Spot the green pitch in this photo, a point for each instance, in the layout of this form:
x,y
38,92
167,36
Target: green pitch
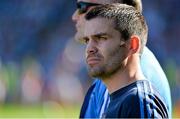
x,y
19,111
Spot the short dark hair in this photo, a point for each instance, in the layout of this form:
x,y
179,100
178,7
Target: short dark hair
x,y
127,20
135,3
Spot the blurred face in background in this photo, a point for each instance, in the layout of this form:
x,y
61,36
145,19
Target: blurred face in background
x,y
83,7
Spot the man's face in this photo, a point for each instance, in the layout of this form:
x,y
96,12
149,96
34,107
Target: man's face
x,y
78,16
105,51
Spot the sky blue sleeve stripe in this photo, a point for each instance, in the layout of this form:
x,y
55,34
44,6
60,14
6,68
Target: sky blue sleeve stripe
x,y
107,102
106,96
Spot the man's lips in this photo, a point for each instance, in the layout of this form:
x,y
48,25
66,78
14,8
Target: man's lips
x,y
93,60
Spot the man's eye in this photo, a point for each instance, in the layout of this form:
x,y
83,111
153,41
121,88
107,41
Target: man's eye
x,y
85,40
103,37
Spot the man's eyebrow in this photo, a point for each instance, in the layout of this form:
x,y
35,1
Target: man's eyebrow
x,y
85,37
100,34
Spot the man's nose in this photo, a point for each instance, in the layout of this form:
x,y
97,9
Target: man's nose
x,y
75,16
91,47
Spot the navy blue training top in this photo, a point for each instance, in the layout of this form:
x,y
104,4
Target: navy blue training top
x,y
97,98
138,100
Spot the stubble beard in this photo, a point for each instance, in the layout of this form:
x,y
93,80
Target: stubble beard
x,y
114,64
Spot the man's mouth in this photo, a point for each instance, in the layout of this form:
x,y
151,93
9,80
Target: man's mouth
x,y
91,61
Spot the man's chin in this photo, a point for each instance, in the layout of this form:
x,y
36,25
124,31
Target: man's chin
x,y
95,73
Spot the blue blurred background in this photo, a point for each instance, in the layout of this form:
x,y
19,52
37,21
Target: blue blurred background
x,y
41,66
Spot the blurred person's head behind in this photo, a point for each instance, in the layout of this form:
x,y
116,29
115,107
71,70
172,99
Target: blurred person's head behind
x,y
83,7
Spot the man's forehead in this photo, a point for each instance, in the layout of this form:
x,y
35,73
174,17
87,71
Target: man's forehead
x,y
97,1
98,25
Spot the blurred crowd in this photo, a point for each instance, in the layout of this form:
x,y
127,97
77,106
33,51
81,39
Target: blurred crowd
x,y
40,61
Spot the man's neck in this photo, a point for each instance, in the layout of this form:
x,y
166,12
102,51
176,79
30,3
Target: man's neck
x,y
123,77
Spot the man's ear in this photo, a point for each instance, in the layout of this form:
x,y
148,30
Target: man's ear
x,y
135,43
